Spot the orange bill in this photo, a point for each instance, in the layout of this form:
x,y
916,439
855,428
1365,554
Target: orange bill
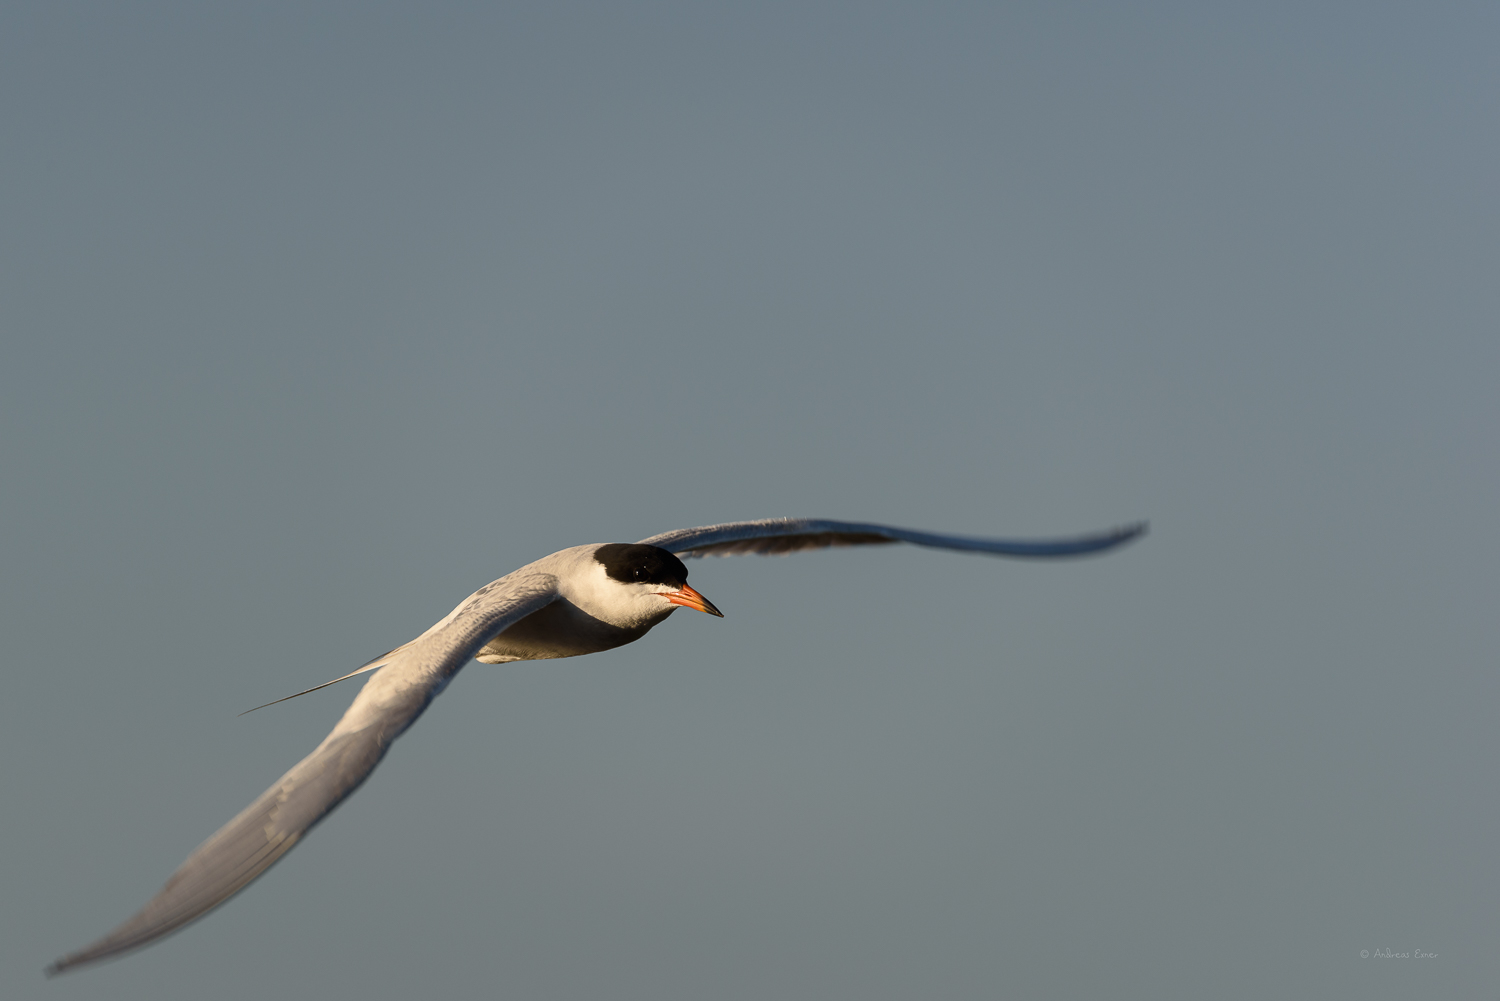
x,y
688,598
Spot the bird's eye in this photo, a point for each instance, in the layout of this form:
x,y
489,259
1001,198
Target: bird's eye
x,y
638,573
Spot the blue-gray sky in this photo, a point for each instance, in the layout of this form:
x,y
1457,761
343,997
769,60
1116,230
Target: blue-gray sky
x,y
316,317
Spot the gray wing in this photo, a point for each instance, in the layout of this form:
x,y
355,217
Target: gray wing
x,y
268,828
775,536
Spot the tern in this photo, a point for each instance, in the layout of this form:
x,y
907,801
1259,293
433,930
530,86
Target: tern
x,y
577,601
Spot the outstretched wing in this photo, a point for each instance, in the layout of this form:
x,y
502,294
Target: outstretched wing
x,y
268,828
776,536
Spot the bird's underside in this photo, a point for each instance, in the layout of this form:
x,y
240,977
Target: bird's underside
x,y
576,601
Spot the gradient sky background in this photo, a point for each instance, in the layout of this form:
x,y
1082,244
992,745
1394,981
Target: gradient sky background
x,y
318,316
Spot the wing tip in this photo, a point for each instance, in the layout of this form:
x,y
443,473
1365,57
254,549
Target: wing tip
x,y
107,948
69,962
1079,546
1116,537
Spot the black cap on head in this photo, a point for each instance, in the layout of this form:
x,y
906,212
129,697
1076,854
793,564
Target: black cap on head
x,y
630,564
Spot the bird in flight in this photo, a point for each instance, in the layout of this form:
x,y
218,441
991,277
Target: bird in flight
x,y
577,601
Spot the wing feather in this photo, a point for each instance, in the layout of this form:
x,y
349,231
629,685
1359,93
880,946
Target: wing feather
x,y
777,536
272,825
